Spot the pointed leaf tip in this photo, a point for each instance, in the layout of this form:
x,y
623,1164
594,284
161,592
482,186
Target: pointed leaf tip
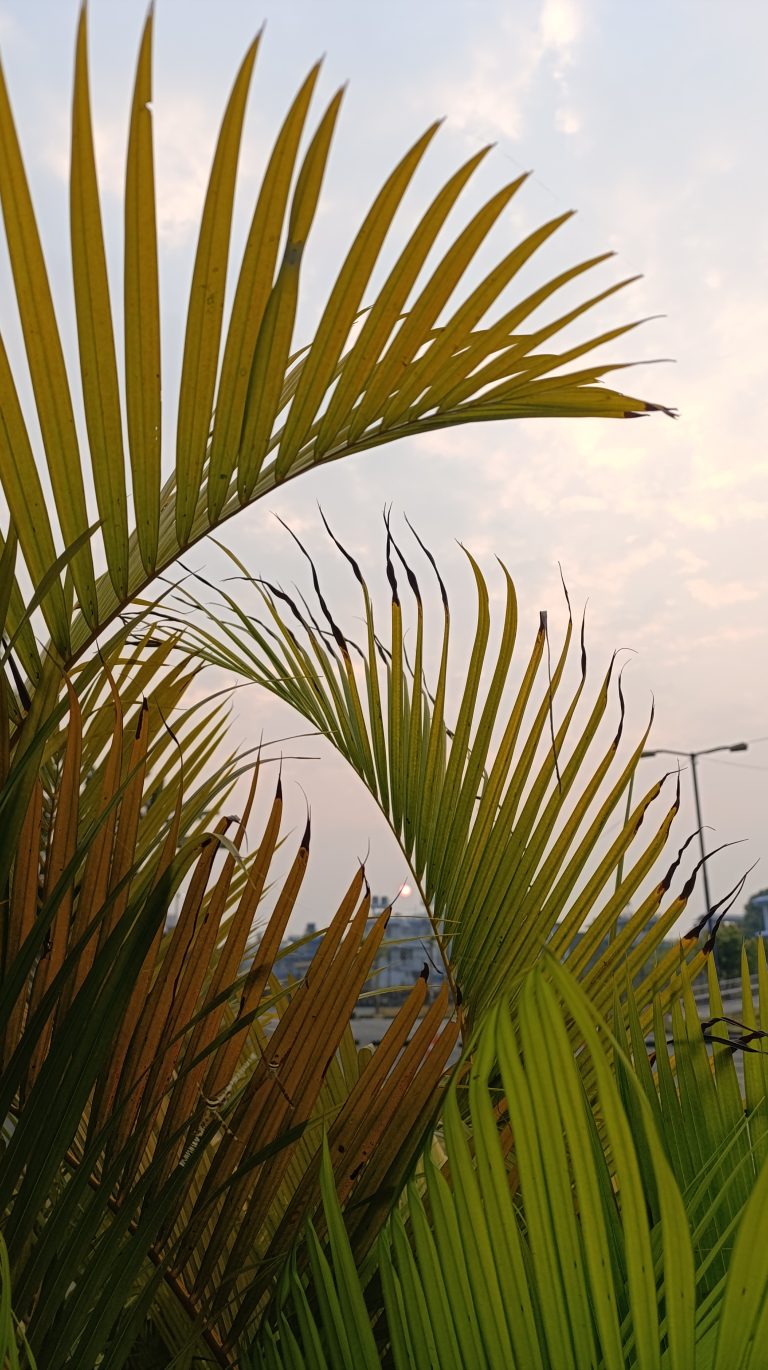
x,y
143,711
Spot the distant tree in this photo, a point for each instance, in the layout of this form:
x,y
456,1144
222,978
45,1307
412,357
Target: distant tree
x,y
750,946
730,939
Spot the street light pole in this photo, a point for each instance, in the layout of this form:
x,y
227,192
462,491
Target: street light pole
x,y
693,758
700,821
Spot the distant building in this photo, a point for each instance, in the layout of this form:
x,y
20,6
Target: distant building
x,y
760,903
409,944
297,953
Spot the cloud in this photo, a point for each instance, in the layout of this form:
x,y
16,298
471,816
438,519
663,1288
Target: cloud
x,y
185,128
491,96
583,503
184,150
722,593
567,121
561,26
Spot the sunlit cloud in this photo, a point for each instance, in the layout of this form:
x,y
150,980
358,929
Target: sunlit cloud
x,y
561,26
722,594
185,129
493,94
568,121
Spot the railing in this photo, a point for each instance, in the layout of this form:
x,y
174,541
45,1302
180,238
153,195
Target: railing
x,y
729,989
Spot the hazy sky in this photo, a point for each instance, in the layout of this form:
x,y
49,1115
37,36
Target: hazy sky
x,y
650,120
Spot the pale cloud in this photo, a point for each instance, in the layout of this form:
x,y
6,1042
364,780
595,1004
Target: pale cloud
x,y
184,133
561,26
635,559
735,632
721,594
567,121
492,97
184,150
483,106
689,563
110,144
582,503
705,519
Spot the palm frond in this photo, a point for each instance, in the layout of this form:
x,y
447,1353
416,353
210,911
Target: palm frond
x,y
165,1093
504,814
582,1244
12,1339
253,409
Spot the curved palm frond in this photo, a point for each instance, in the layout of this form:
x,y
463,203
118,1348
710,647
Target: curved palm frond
x,y
165,1092
578,1240
711,1117
252,411
510,816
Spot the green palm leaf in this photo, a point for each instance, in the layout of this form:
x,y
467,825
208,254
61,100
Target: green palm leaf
x,y
12,1339
252,410
142,318
98,363
579,1245
504,815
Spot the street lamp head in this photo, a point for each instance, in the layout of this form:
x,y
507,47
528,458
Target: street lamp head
x,y
693,756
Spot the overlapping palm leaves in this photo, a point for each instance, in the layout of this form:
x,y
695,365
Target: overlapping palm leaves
x,y
163,1132
576,1235
252,411
164,1118
509,801
14,1348
151,1117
